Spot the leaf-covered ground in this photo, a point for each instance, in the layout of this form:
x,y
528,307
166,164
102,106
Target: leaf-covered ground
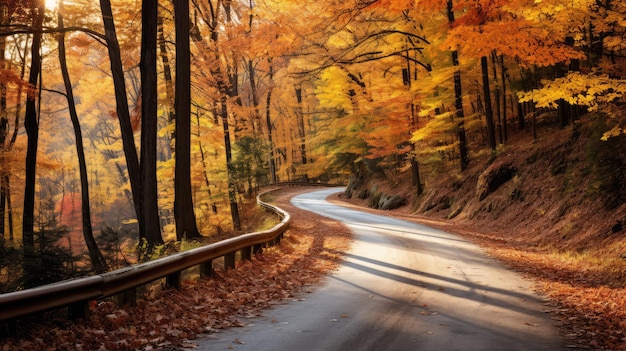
x,y
172,319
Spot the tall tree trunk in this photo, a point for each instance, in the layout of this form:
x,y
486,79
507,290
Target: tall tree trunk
x,y
232,191
256,122
458,99
205,171
496,97
268,121
415,173
149,123
491,133
505,132
4,122
31,124
184,214
98,261
520,116
301,130
9,206
167,75
123,113
9,146
225,91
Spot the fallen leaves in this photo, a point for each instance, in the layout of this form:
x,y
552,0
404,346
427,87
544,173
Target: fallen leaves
x,y
170,319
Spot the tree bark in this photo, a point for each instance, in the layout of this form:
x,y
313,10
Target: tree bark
x,y
520,116
301,130
31,124
149,123
184,214
232,192
4,122
496,97
225,91
458,100
123,113
98,261
505,132
491,133
270,128
167,75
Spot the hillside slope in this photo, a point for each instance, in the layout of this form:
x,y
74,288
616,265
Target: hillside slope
x,y
561,192
553,209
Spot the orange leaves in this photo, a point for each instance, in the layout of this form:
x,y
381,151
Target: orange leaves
x,y
169,318
593,313
394,5
518,39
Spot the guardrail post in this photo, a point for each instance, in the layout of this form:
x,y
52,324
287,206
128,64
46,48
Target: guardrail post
x,y
8,329
174,280
78,310
128,297
206,269
246,253
229,260
258,248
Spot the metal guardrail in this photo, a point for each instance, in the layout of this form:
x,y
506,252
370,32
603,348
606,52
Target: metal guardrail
x,y
76,293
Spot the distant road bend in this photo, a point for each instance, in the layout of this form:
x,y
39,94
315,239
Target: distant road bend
x,y
402,286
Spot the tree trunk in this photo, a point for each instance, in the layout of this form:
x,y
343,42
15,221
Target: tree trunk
x,y
505,132
491,134
123,113
167,75
9,206
496,97
98,261
270,128
149,123
4,121
225,91
184,214
458,99
232,192
301,131
415,174
520,116
31,124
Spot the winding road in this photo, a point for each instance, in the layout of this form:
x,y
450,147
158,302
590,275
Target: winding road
x,y
402,286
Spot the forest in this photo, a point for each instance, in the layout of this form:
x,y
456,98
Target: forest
x,y
127,126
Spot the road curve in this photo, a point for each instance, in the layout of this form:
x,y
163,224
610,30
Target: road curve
x,y
402,286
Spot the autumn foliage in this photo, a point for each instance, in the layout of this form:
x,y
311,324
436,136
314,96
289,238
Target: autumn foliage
x,y
329,91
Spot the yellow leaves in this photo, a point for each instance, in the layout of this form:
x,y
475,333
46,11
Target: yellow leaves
x,y
341,40
615,43
439,124
576,88
616,131
594,91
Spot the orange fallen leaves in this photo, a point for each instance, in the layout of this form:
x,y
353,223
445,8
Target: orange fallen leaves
x,y
169,319
591,312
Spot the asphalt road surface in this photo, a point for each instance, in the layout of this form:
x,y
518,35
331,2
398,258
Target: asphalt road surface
x,y
403,286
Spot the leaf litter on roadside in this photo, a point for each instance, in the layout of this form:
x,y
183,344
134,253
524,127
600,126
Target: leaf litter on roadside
x,y
169,319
